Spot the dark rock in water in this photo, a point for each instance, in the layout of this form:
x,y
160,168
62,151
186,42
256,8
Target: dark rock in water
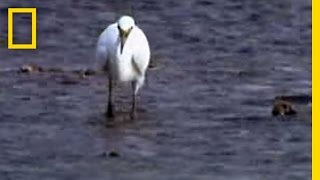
x,y
283,108
112,154
30,68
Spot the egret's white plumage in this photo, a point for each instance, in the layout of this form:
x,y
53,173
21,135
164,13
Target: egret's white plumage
x,y
123,50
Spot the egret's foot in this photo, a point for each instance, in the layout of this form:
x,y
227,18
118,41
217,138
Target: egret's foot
x,y
133,115
110,113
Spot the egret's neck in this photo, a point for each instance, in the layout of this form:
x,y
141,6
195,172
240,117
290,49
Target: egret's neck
x,y
126,53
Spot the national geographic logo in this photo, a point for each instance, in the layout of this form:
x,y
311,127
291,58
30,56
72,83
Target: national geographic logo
x,y
33,12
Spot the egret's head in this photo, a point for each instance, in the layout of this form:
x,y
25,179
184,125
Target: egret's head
x,y
125,26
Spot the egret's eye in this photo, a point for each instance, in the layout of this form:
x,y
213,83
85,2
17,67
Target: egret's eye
x,y
120,31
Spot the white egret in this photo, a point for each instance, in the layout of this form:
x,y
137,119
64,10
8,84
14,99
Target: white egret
x,y
124,50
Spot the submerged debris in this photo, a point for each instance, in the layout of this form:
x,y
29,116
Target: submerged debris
x,y
30,68
64,77
282,108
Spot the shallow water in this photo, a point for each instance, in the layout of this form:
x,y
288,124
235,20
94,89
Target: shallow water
x,y
205,114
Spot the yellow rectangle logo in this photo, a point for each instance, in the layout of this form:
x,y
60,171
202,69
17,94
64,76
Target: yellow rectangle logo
x,y
33,12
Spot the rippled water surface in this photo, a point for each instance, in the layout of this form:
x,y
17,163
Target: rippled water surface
x,y
205,114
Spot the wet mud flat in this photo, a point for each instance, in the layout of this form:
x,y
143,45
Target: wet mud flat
x,y
205,114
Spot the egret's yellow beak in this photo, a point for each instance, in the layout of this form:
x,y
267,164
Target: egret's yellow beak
x,y
123,37
122,42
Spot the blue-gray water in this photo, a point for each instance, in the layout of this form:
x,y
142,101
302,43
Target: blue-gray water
x,y
205,114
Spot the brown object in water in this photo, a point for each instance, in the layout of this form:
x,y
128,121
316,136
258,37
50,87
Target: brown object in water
x,y
282,108
30,68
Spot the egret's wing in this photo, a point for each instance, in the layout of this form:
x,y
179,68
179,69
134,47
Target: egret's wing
x,y
136,66
141,56
105,45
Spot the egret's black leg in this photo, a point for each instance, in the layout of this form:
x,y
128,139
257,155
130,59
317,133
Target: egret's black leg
x,y
110,112
133,110
146,79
